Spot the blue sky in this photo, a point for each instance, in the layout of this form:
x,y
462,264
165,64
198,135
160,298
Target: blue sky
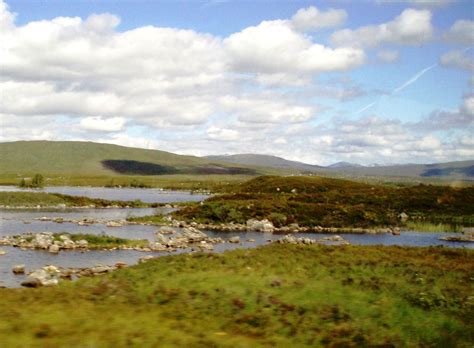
x,y
317,81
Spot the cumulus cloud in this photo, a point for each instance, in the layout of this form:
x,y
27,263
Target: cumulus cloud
x,y
311,19
266,108
386,141
275,47
446,120
223,134
255,90
161,77
411,27
458,59
461,32
113,124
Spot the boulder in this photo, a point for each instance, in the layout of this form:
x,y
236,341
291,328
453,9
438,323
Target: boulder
x,y
18,269
166,230
193,235
99,269
114,224
53,248
160,239
403,217
82,243
43,240
120,264
46,276
235,239
2,252
260,225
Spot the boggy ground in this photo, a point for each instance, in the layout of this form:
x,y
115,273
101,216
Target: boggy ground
x,y
318,201
277,295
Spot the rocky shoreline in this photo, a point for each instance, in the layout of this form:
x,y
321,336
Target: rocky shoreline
x,y
251,225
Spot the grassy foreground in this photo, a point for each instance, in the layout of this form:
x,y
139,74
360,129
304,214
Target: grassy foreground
x,y
277,295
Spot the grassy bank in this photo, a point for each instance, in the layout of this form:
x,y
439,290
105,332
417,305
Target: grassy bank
x,y
104,242
33,199
278,295
214,183
313,201
432,227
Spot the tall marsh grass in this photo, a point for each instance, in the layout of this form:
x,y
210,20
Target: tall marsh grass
x,y
423,226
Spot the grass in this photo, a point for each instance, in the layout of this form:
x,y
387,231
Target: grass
x,y
87,163
150,219
104,242
312,201
277,295
33,199
214,183
424,226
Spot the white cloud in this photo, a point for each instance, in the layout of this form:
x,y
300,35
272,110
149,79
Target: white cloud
x,y
468,105
411,27
388,56
253,91
311,19
158,77
274,47
266,108
458,59
461,32
114,124
222,134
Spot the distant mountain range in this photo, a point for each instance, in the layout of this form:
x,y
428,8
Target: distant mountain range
x,y
23,158
344,165
460,170
265,161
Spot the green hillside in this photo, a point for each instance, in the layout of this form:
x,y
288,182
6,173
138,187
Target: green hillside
x,y
87,158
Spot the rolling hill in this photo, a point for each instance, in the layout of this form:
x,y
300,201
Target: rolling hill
x,y
460,170
88,158
266,161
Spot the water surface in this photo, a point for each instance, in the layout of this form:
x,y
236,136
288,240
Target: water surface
x,y
118,194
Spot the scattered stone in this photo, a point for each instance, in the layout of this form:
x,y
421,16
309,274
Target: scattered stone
x,y
2,252
114,224
18,269
235,239
82,243
260,225
461,238
403,217
145,258
99,269
120,264
53,249
46,276
167,230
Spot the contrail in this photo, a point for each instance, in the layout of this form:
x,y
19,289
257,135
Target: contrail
x,y
407,83
413,79
366,107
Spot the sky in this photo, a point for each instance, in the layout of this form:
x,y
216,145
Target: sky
x,y
369,81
